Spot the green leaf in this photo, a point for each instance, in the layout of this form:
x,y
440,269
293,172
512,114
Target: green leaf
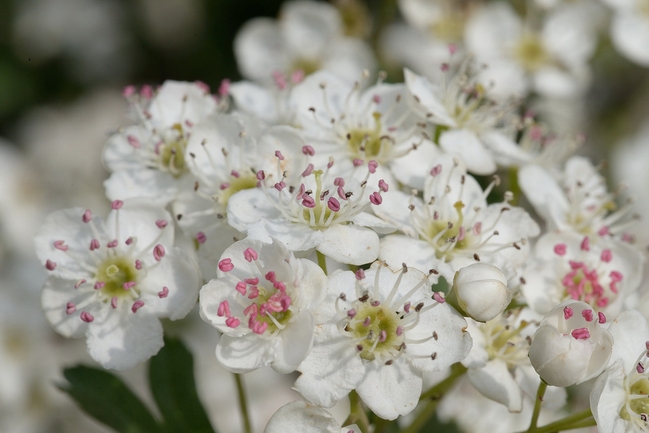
x,y
171,376
105,397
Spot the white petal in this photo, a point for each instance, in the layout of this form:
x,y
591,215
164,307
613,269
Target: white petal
x,y
380,226
427,98
177,102
505,149
630,34
495,382
120,339
544,192
331,370
348,58
350,244
630,332
138,182
391,390
491,30
246,353
54,299
248,207
607,398
179,273
308,27
260,49
296,341
470,149
255,99
298,417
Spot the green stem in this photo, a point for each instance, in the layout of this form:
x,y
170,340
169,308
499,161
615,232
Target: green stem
x,y
514,187
537,404
357,414
570,422
433,396
322,261
247,428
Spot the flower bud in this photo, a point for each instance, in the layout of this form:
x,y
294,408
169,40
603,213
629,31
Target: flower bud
x,y
570,345
479,291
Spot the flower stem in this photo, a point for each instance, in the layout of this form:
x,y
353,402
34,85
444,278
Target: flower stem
x,y
357,414
578,420
514,187
322,261
247,428
537,404
434,395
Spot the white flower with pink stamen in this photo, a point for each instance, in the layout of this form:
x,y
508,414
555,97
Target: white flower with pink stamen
x,y
377,331
453,226
148,159
352,126
224,153
261,301
112,281
578,201
317,210
619,399
568,266
571,346
470,125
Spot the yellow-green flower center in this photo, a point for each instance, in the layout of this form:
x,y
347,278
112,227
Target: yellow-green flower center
x,y
379,332
531,53
308,66
639,405
368,143
114,272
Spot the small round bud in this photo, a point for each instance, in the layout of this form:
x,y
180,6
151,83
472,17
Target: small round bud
x,y
479,291
568,348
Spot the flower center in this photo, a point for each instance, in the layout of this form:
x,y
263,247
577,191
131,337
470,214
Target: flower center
x,y
446,236
506,342
636,384
368,143
172,152
237,183
531,53
307,66
450,28
377,327
116,276
582,283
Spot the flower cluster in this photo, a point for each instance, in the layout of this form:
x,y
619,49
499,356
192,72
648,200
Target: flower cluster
x,y
360,232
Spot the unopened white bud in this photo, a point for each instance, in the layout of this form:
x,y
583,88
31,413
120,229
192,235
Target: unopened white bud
x,y
480,291
571,346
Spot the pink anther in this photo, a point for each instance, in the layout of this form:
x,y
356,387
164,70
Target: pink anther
x,y
87,216
201,238
241,288
129,285
161,224
50,265
86,317
113,302
232,322
360,274
99,285
226,265
588,315
116,204
137,305
436,170
164,292
158,252
308,170
60,245
372,166
567,313
224,309
333,204
250,254
560,249
581,334
375,198
308,150
70,308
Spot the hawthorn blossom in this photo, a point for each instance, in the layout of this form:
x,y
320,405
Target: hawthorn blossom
x,y
551,60
262,302
299,417
479,291
223,154
318,210
307,37
619,398
578,201
376,332
352,126
571,346
567,266
452,226
469,123
148,159
112,281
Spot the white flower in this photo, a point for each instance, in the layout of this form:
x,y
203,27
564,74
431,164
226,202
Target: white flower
x,y
570,345
377,331
498,363
469,123
552,60
480,291
299,417
353,126
113,281
318,210
630,29
453,226
307,37
224,153
261,301
148,159
619,399
577,201
567,266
